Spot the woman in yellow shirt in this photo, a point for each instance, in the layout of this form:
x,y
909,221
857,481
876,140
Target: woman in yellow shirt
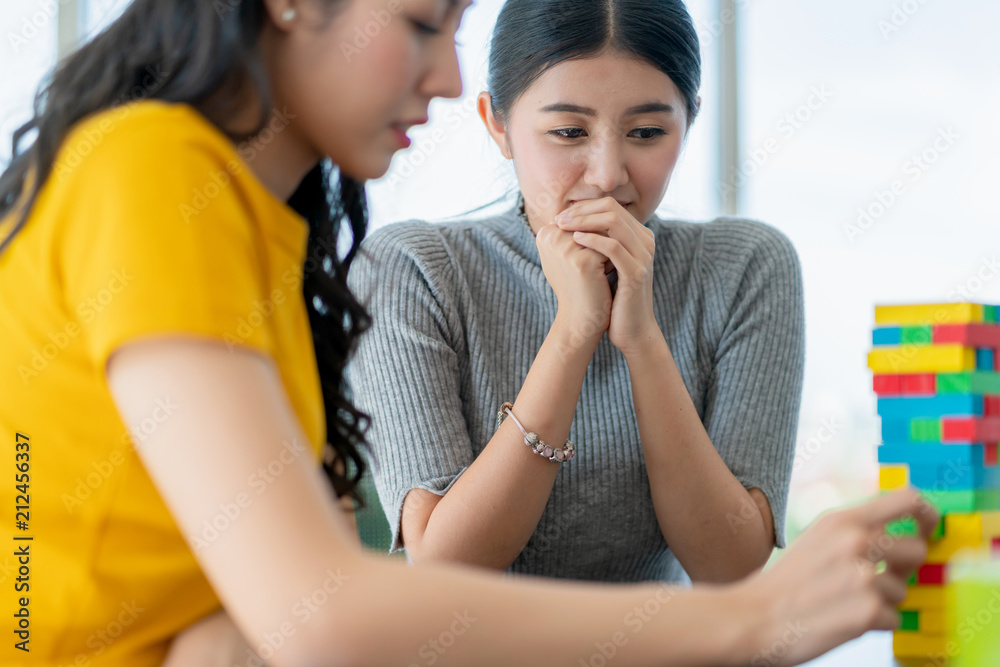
x,y
176,327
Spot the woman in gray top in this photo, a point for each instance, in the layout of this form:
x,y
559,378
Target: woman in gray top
x,y
670,353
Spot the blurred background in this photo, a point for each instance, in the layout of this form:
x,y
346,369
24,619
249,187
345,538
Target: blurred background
x,y
865,130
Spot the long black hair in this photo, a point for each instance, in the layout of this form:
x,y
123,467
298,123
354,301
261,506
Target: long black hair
x,y
531,36
206,54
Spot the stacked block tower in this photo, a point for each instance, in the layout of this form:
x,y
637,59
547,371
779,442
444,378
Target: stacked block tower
x,y
937,377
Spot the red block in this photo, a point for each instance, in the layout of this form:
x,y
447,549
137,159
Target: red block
x,y
924,384
931,574
971,335
887,385
990,457
996,546
991,406
970,429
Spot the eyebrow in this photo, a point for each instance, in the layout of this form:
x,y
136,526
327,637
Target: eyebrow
x,y
651,107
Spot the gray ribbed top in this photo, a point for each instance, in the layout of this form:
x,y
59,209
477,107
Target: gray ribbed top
x,y
460,311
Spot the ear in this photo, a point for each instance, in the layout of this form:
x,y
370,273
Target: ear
x,y
496,128
282,13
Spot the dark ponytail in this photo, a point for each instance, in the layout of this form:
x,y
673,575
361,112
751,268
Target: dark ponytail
x,y
206,54
531,36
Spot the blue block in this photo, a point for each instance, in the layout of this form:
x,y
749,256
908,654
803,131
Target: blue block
x,y
954,477
887,336
897,432
984,359
908,407
932,453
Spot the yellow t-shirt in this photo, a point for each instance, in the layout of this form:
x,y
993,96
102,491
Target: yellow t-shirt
x,y
151,223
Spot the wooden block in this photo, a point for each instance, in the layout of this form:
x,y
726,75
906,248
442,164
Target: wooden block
x,y
909,407
968,383
917,644
918,384
984,359
971,335
931,574
887,385
892,477
909,620
970,429
929,359
887,336
935,313
991,455
991,406
932,622
924,597
963,501
939,454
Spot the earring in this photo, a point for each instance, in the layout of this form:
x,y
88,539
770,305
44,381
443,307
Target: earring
x,y
288,15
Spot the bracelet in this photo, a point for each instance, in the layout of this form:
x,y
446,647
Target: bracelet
x,y
565,454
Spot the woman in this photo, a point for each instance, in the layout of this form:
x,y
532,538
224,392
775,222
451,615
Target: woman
x,y
182,325
703,358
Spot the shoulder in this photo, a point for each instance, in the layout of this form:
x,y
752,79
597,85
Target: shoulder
x,y
730,244
135,139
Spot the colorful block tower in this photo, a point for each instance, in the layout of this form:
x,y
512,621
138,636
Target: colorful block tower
x,y
937,376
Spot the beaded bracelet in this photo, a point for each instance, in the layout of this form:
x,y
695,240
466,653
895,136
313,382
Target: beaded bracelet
x,y
565,454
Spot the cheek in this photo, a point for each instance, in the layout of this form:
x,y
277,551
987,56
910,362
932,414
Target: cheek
x,y
547,173
650,172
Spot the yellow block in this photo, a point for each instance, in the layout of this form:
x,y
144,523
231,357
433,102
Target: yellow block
x,y
923,359
917,644
939,313
932,622
922,598
893,477
941,551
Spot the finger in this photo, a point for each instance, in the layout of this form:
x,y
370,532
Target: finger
x,y
610,248
897,505
586,206
905,555
613,225
891,587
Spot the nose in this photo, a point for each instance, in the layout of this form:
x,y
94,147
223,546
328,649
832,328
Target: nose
x,y
444,77
606,166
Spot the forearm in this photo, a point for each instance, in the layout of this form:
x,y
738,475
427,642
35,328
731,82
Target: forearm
x,y
488,515
400,615
695,495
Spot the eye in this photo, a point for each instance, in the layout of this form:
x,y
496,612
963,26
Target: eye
x,y
647,133
569,132
424,28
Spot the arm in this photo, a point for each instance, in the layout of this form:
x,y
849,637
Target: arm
x,y
293,541
491,511
695,494
482,511
693,490
232,419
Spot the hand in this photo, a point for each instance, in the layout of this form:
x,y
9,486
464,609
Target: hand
x,y
602,225
577,276
826,591
212,642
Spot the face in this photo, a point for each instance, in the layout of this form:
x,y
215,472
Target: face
x,y
607,126
357,78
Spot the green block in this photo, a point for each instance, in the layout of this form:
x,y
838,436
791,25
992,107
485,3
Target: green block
x,y
989,314
909,620
938,530
925,429
918,335
905,527
980,382
912,581
964,501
